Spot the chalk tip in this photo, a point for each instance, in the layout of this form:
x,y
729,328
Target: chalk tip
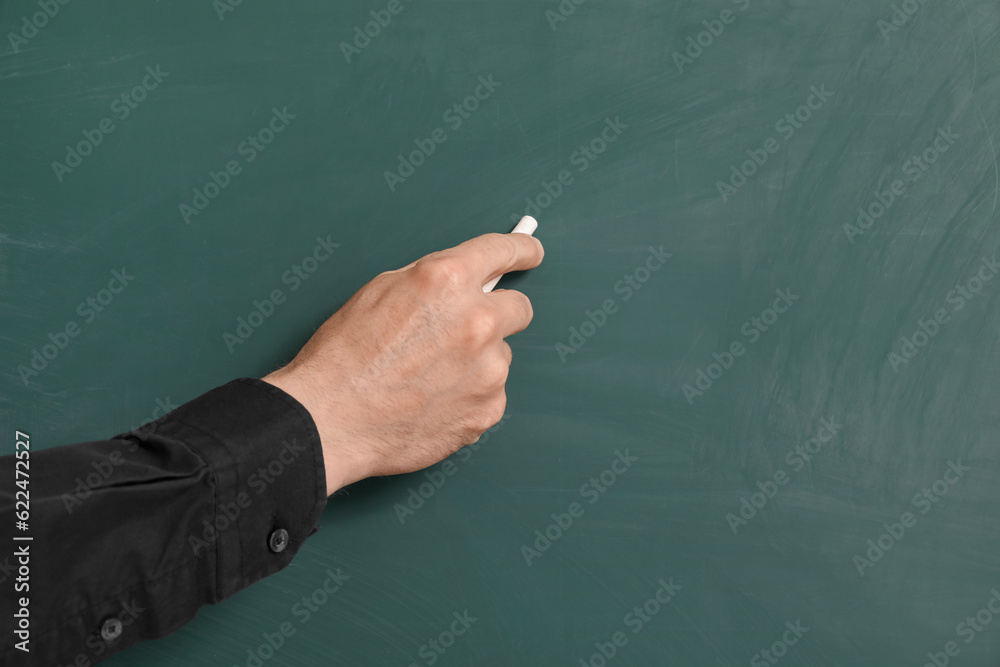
x,y
527,225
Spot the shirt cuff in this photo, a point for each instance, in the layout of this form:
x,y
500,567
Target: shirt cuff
x,y
264,450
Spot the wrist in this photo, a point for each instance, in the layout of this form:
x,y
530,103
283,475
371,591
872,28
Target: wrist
x,y
340,469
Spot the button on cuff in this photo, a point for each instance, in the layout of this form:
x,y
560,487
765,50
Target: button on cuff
x,y
278,540
111,630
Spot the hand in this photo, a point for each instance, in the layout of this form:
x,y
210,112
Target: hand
x,y
413,367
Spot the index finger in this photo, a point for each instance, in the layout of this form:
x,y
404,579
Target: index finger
x,y
491,255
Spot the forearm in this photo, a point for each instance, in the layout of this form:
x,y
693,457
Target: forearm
x,y
151,525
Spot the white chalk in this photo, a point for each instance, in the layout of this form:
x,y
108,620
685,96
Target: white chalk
x,y
527,225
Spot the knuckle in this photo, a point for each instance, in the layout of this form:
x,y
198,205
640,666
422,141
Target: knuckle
x,y
497,375
508,354
440,274
485,417
481,326
379,283
470,431
496,410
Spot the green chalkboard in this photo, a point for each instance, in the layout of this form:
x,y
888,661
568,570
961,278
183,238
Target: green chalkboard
x,y
754,420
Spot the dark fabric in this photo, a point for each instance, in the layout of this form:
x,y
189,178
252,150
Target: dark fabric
x,y
152,524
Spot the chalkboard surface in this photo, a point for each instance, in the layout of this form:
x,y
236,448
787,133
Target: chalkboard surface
x,y
755,418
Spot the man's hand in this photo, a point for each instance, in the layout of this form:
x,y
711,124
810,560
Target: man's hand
x,y
413,367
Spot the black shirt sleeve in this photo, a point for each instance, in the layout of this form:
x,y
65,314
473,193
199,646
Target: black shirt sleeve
x,y
132,535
